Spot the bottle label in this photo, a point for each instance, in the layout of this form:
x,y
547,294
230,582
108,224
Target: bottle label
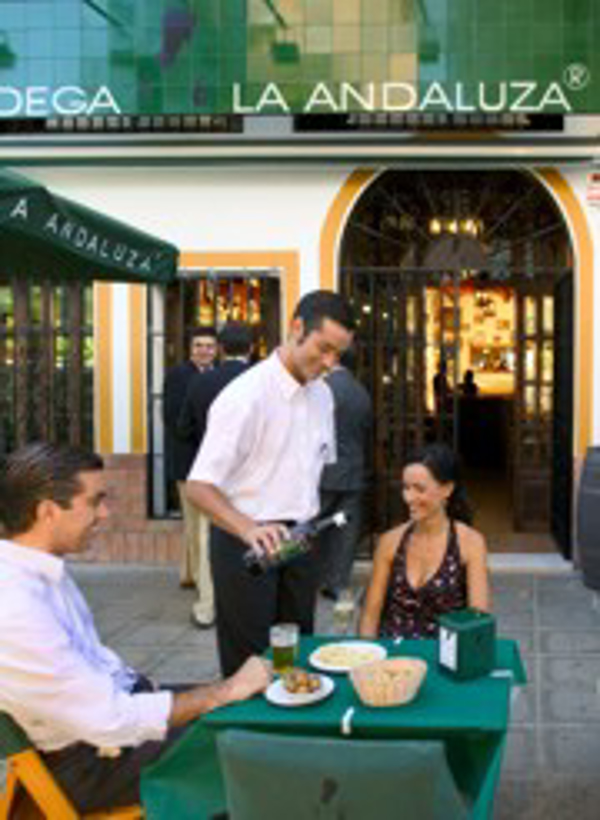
x,y
289,549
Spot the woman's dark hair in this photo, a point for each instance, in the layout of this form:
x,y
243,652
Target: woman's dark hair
x,y
442,462
40,472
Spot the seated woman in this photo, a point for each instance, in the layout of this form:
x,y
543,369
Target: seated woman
x,y
433,564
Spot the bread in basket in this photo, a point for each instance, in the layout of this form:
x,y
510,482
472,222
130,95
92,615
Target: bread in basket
x,y
390,682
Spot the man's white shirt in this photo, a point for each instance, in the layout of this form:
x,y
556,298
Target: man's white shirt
x,y
58,680
267,440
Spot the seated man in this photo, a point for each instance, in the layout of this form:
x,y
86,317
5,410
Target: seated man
x,y
72,695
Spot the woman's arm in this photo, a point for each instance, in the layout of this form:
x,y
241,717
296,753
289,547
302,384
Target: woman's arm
x,y
474,554
378,584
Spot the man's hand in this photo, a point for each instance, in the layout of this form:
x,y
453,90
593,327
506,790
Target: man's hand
x,y
266,538
262,538
252,677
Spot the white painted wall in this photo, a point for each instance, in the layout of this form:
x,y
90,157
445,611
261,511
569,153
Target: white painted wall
x,y
212,209
121,371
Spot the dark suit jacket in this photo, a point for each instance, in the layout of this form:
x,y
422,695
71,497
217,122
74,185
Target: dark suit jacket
x,y
353,420
174,392
202,390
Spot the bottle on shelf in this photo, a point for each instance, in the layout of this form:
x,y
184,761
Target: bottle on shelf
x,y
299,542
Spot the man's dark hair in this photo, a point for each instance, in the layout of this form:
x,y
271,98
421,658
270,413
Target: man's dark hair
x,y
318,305
40,472
209,330
236,339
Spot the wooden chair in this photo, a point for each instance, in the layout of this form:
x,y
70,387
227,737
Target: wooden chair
x,y
27,771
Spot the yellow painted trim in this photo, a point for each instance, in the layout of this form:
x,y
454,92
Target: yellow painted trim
x,y
287,262
103,372
584,302
331,231
137,360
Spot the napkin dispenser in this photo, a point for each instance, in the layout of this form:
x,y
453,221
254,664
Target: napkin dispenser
x,y
467,646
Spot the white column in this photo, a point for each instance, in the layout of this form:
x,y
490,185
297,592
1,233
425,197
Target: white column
x,y
121,371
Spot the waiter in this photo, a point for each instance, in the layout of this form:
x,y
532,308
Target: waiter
x,y
269,434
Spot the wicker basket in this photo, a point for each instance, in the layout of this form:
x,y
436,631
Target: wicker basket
x,y
391,682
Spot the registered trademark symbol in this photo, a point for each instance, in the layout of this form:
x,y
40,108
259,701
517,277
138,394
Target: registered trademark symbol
x,y
576,76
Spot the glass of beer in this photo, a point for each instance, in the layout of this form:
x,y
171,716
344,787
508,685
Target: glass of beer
x,y
284,639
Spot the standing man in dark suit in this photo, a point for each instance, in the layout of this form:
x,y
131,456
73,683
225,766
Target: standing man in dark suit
x,y
179,452
235,347
343,482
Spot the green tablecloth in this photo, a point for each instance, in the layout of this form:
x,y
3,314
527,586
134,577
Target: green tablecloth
x,y
470,716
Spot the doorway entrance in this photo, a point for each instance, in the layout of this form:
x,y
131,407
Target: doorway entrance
x,y
201,298
463,286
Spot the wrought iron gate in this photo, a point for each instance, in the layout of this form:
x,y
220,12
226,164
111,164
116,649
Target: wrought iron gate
x,y
395,344
46,363
392,346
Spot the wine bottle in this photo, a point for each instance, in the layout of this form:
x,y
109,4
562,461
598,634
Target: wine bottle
x,y
299,542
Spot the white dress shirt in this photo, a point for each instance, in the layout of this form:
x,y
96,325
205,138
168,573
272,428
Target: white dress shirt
x,y
57,679
267,440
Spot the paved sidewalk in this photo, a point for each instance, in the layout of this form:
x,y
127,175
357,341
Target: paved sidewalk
x,y
552,761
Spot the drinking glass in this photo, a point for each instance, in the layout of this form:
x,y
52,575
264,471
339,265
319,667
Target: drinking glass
x,y
344,611
284,639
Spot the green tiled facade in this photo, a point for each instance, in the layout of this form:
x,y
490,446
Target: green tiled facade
x,y
184,56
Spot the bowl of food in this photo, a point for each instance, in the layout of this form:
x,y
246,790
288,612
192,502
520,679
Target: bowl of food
x,y
390,682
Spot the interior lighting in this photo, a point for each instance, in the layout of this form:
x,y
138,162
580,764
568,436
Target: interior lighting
x,y
468,226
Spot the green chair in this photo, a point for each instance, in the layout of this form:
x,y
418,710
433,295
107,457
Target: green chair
x,y
304,778
28,773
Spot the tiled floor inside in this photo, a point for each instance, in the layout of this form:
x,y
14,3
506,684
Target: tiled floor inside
x,y
490,493
552,760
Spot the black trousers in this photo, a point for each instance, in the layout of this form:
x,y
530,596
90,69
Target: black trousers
x,y
93,783
246,605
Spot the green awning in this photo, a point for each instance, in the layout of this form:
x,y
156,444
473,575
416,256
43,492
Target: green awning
x,y
45,236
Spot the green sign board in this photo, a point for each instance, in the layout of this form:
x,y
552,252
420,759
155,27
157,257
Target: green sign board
x,y
104,57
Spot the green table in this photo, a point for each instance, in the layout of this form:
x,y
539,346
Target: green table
x,y
470,716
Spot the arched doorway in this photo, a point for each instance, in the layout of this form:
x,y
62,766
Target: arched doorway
x,y
468,271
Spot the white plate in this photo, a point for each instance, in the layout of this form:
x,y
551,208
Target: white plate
x,y
277,693
376,653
